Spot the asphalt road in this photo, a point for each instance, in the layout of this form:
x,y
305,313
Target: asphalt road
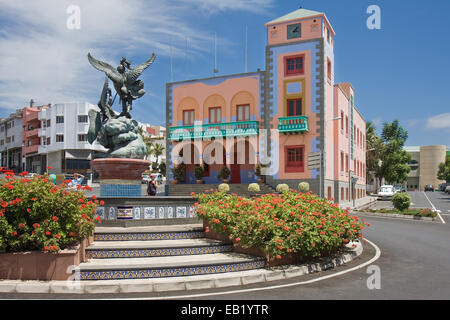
x,y
419,199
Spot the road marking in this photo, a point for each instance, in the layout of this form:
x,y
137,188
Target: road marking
x,y
434,208
375,258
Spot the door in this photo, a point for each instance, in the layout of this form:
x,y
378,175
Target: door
x,y
235,168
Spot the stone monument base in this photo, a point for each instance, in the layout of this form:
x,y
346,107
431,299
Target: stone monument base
x,y
120,177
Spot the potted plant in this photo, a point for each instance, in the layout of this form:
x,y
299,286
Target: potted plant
x,y
179,173
224,173
199,174
43,224
254,189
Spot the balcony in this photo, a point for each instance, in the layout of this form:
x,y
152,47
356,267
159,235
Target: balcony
x,y
224,130
31,133
293,124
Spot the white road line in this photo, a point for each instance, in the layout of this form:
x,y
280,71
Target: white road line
x,y
434,208
375,258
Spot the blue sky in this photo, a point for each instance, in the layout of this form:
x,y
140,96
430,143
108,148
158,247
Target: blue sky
x,y
401,71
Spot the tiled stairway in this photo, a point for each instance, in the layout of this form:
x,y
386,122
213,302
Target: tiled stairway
x,y
160,251
240,189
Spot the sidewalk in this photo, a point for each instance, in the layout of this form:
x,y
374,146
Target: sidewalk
x,y
359,203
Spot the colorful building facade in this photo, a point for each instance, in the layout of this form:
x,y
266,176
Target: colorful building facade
x,y
287,118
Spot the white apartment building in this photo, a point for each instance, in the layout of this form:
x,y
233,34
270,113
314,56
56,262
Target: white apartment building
x,y
63,134
11,141
157,135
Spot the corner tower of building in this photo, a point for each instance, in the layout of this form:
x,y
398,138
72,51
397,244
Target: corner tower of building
x,y
299,97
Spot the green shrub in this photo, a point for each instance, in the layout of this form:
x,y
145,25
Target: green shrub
x,y
224,173
224,187
35,214
199,172
179,172
254,187
282,187
401,201
303,187
280,224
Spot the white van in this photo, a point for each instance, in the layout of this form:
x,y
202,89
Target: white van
x,y
386,192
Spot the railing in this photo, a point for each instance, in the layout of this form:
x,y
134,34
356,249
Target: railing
x,y
293,124
224,130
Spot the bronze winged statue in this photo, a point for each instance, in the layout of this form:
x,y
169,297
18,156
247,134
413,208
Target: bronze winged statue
x,y
118,132
126,82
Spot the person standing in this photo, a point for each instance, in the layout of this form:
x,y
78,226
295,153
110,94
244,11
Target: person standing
x,y
152,186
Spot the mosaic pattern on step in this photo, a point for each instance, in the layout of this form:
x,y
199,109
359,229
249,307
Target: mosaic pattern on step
x,y
171,272
148,236
163,252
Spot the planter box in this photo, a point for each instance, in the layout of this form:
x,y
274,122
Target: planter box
x,y
45,266
291,258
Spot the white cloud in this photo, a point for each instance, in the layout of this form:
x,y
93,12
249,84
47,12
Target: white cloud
x,y
214,6
41,58
440,121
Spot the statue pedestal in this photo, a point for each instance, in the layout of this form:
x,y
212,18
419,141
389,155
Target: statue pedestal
x,y
120,177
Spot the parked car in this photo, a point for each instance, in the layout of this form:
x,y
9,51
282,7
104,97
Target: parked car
x,y
159,177
399,188
145,178
386,192
447,190
429,187
443,186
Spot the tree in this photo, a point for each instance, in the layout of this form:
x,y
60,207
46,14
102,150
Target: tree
x,y
394,166
444,170
375,152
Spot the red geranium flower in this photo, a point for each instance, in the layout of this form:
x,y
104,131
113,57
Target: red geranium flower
x,y
55,218
49,168
48,233
102,202
14,233
58,236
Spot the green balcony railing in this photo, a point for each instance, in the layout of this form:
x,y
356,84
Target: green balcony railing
x,y
224,130
293,124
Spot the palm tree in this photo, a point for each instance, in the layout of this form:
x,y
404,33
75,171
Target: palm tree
x,y
158,150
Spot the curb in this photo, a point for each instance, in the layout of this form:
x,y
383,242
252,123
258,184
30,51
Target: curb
x,y
396,216
211,281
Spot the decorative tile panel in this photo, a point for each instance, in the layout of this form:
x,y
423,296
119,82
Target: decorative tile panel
x,y
162,252
170,272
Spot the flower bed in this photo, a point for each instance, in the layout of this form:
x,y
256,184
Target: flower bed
x,y
408,212
291,226
38,216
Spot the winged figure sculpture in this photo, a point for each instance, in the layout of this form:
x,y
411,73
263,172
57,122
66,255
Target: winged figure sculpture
x,y
125,79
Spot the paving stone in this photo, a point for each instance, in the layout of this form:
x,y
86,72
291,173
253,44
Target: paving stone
x,y
227,282
67,288
295,272
169,286
8,287
275,275
200,284
113,287
253,279
33,287
136,286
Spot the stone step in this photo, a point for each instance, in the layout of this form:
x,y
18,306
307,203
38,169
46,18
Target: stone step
x,y
168,266
145,233
155,248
